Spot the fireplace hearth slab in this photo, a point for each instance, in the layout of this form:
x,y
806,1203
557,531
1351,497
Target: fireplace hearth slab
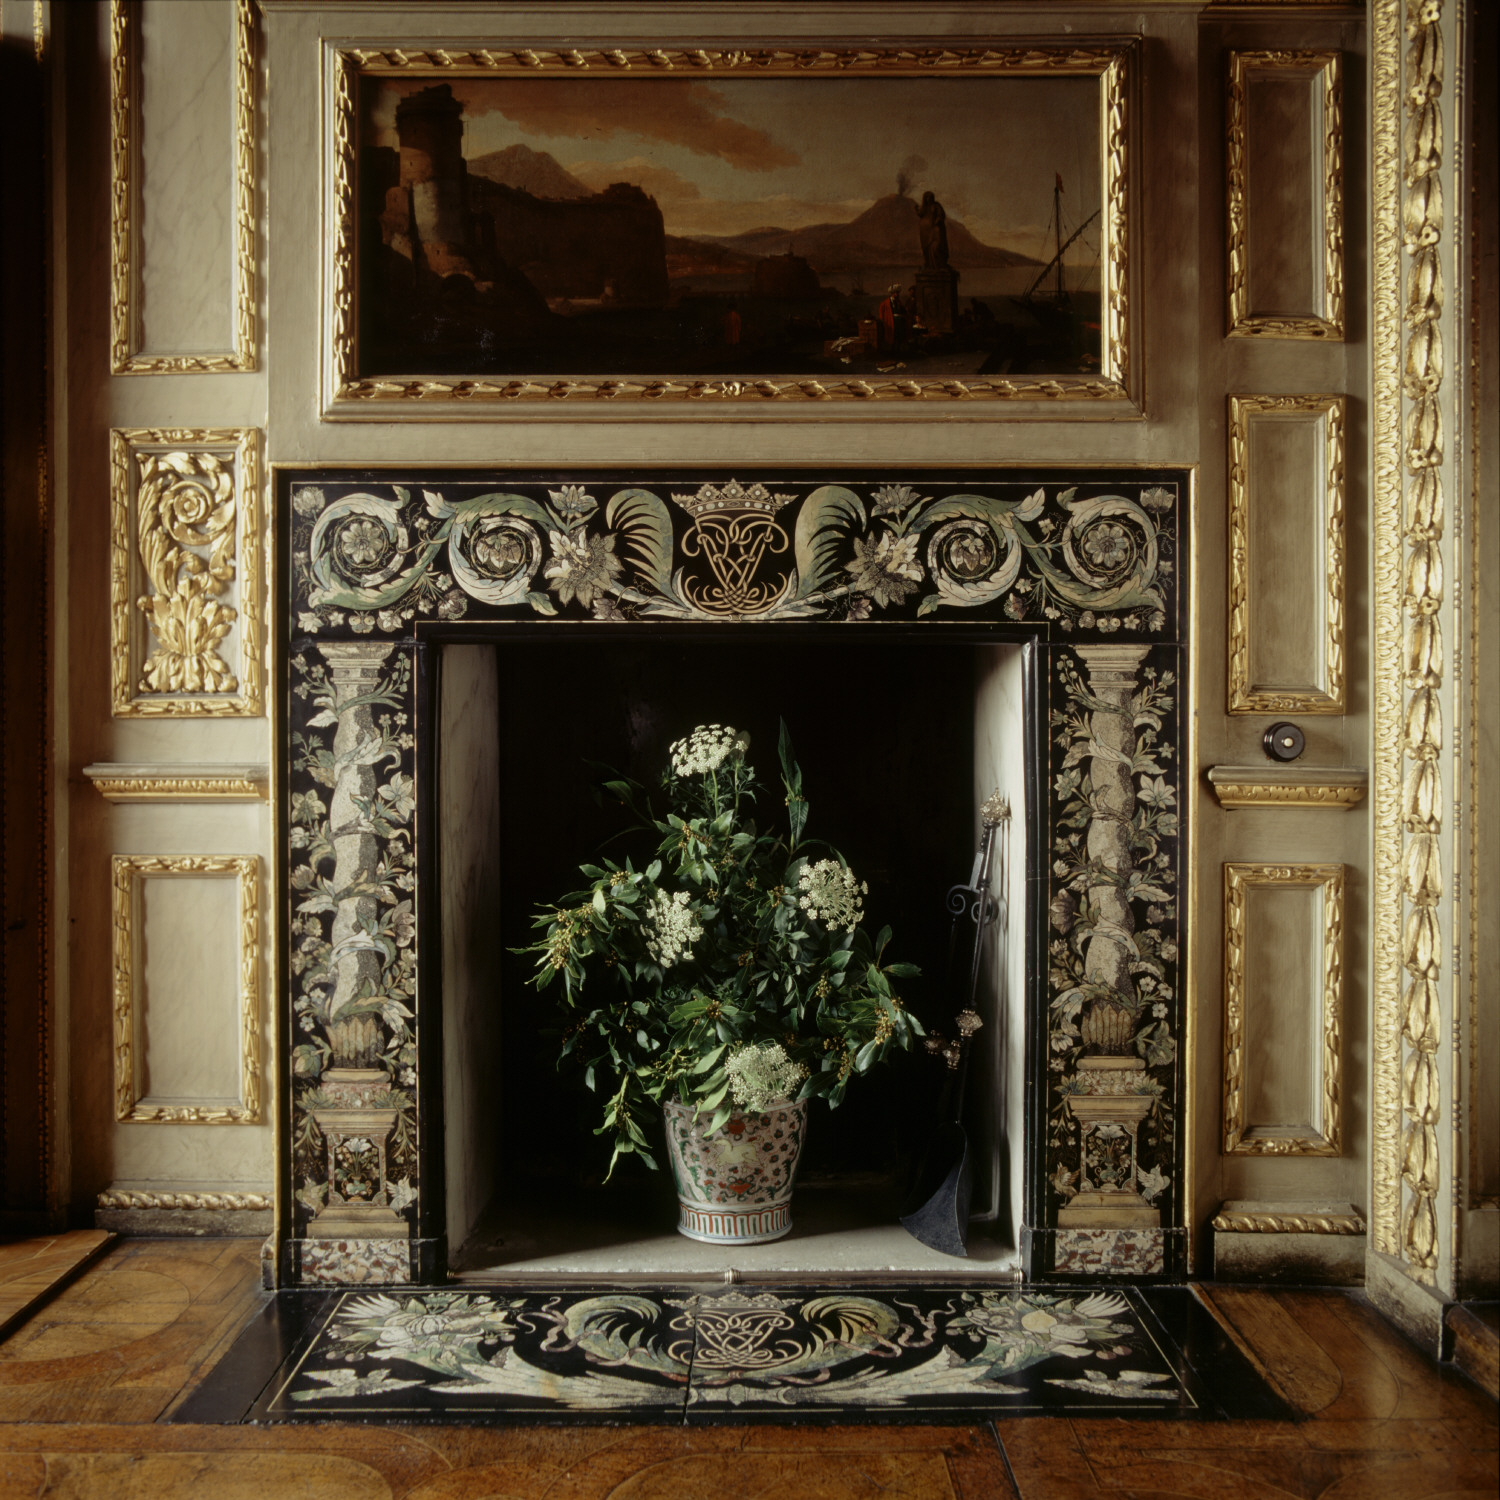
x,y
733,1354
835,1234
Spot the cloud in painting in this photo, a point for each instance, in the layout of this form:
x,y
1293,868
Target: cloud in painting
x,y
688,211
677,112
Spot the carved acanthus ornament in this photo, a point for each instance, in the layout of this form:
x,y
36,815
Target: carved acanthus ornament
x,y
184,509
186,532
1288,786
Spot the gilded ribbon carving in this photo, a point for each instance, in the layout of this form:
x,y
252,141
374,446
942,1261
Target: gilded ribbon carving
x,y
186,1202
1238,1222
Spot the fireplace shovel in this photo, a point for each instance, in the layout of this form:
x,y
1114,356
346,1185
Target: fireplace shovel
x,y
938,1212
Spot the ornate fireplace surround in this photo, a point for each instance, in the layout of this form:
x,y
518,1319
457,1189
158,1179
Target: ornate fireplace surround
x,y
381,567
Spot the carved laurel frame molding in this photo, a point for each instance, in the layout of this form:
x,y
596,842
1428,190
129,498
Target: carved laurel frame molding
x,y
126,355
187,532
1245,696
129,871
349,394
1328,321
1241,1138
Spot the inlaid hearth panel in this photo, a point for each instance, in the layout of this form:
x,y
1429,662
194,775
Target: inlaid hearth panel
x,y
753,1354
1084,566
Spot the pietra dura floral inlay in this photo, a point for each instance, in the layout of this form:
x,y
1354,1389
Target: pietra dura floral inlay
x,y
738,1354
380,568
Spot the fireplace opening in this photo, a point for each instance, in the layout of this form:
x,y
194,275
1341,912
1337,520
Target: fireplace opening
x,y
900,742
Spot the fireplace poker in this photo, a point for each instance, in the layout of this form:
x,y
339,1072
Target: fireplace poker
x,y
944,1185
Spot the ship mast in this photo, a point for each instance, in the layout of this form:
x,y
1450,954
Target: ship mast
x,y
1057,224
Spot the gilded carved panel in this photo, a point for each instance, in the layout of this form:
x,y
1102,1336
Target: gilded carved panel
x,y
187,540
1299,515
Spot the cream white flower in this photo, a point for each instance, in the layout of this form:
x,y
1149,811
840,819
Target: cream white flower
x,y
887,570
829,893
671,929
761,1074
583,566
706,749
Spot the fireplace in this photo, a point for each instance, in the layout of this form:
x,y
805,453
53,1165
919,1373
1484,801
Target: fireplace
x,y
456,645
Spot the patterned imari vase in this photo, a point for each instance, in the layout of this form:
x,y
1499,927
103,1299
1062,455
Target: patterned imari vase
x,y
734,1187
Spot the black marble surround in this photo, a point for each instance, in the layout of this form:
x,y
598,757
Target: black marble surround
x,y
1085,568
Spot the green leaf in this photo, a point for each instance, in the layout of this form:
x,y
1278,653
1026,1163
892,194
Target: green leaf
x,y
644,525
929,604
826,519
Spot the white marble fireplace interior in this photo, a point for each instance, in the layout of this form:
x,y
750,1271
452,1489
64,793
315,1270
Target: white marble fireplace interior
x,y
899,743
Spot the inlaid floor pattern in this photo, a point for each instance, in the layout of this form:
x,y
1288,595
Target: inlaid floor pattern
x,y
87,1377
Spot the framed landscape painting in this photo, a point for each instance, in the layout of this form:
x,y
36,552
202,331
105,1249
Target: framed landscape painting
x,y
773,228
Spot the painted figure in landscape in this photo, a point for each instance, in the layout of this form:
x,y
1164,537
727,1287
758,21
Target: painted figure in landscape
x,y
934,224
667,226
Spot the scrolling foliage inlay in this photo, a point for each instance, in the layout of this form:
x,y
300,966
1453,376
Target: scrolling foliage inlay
x,y
1090,567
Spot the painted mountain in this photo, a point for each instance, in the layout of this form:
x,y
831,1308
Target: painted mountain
x,y
534,172
885,234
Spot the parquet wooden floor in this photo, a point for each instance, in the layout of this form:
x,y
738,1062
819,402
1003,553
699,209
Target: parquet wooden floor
x,y
85,1376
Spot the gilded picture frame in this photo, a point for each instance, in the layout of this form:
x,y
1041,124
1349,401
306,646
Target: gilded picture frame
x,y
461,281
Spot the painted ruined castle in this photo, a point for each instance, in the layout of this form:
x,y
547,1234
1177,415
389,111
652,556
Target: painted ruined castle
x,y
445,229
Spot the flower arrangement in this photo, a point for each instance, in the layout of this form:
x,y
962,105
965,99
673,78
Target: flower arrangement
x,y
732,967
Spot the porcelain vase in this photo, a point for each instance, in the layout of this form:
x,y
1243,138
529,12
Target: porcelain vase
x,y
734,1186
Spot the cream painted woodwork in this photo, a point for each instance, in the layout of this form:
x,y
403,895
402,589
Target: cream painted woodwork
x,y
1180,272
187,73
